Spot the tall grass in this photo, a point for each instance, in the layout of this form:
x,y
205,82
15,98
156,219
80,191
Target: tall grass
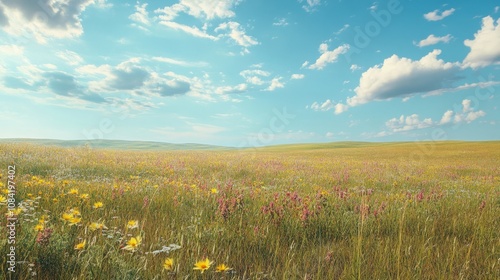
x,y
363,212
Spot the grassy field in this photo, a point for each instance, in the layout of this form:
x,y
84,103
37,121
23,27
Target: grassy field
x,y
319,211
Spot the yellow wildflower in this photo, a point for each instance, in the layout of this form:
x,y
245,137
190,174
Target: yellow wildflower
x,y
95,226
39,227
202,265
133,244
214,190
222,268
73,191
74,221
168,264
98,205
133,224
80,246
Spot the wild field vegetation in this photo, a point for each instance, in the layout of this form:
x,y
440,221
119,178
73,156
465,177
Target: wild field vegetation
x,y
366,211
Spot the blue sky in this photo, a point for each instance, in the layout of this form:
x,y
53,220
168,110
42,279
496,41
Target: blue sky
x,y
250,72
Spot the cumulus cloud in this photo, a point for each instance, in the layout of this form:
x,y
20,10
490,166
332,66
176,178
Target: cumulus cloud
x,y
327,56
254,76
437,15
432,40
241,88
310,5
43,19
484,48
141,14
401,77
236,33
297,76
275,83
466,114
206,11
325,106
408,123
210,9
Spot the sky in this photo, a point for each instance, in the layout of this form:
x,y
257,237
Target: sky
x,y
250,72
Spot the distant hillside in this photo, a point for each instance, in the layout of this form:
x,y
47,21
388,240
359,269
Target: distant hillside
x,y
115,144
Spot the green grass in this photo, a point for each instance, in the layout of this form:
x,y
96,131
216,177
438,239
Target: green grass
x,y
314,211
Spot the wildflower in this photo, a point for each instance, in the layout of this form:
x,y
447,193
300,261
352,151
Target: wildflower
x,y
3,199
133,244
39,227
96,226
73,191
168,264
80,246
75,212
214,190
202,265
132,224
4,191
84,196
67,216
55,200
98,205
74,221
222,268
17,211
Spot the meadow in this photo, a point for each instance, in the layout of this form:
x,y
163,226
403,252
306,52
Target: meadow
x,y
319,211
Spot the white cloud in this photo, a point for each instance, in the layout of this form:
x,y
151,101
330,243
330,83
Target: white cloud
x,y
344,28
401,77
297,76
237,34
497,8
310,5
330,134
253,76
45,19
432,40
275,83
232,89
340,108
71,58
103,4
408,123
447,117
467,114
281,22
140,15
484,48
192,30
325,106
11,50
210,9
327,56
487,84
437,15
355,67
180,62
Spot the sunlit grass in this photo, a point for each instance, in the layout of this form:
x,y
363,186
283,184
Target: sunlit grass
x,y
365,211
